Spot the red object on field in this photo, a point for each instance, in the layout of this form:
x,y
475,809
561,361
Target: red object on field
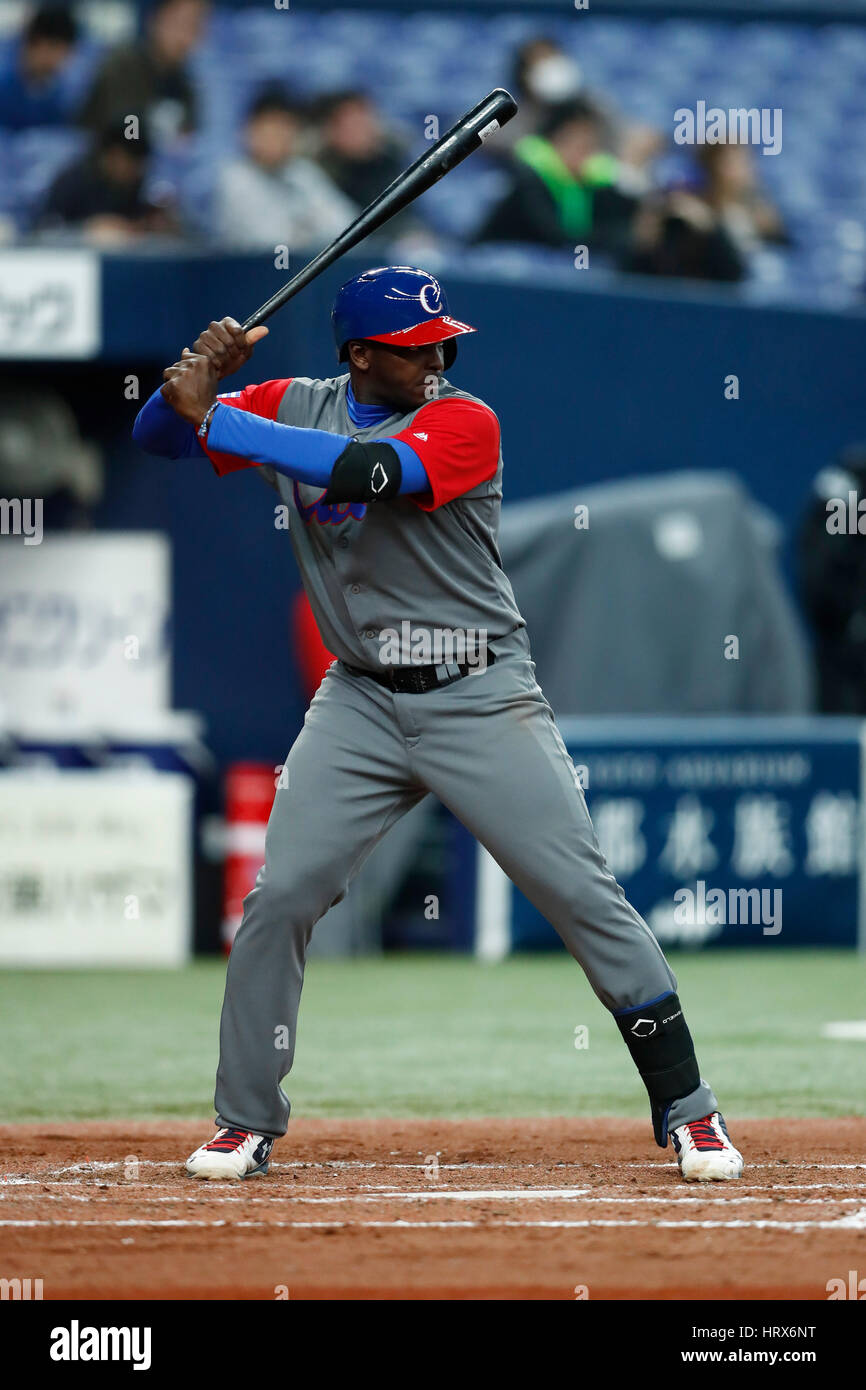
x,y
250,791
250,787
312,655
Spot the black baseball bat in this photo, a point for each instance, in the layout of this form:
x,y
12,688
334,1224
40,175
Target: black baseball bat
x,y
468,135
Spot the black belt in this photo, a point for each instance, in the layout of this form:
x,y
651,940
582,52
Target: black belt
x,y
417,680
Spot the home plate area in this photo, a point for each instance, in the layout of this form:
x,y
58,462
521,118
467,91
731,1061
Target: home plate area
x,y
434,1209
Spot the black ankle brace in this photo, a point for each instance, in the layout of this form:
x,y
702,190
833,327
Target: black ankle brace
x,y
661,1046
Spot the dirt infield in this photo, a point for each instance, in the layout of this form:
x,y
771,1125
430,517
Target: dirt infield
x,y
407,1209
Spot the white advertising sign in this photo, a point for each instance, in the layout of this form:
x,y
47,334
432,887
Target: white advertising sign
x,y
95,868
84,625
50,303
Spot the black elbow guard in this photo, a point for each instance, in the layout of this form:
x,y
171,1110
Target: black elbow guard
x,y
365,473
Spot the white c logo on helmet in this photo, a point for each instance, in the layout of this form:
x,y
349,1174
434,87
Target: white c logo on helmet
x,y
434,290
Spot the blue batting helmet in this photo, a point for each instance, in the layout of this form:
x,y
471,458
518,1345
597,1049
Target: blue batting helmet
x,y
397,304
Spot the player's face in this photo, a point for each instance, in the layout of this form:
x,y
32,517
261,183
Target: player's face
x,y
403,377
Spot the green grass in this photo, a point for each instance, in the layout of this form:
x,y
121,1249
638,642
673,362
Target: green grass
x,y
432,1035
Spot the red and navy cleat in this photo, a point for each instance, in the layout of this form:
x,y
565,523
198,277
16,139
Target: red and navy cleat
x,y
232,1153
705,1152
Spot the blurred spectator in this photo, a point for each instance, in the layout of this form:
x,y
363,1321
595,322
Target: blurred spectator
x,y
356,151
149,78
272,195
832,567
34,90
731,189
678,234
103,193
362,157
713,231
543,75
564,191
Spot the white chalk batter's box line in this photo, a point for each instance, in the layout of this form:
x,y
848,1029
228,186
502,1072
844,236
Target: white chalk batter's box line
x,y
585,1196
856,1221
97,1166
134,1184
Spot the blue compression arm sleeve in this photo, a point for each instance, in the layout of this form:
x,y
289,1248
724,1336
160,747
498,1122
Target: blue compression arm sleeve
x,y
307,455
160,430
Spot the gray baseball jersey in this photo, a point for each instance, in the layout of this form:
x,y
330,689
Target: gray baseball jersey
x,y
369,569
486,745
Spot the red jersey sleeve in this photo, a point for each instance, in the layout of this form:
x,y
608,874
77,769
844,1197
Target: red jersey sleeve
x,y
258,400
458,443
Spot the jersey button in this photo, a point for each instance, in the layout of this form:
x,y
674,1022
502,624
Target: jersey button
x,y
343,542
356,588
370,633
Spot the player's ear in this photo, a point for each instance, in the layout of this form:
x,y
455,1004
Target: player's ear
x,y
359,355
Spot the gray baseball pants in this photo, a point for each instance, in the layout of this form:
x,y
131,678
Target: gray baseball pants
x,y
488,748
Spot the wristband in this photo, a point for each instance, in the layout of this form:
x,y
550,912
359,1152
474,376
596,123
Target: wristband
x,y
205,424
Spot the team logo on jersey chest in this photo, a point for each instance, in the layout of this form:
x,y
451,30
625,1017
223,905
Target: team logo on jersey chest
x,y
326,513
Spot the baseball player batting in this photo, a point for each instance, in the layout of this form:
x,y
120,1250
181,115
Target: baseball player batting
x,y
393,481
